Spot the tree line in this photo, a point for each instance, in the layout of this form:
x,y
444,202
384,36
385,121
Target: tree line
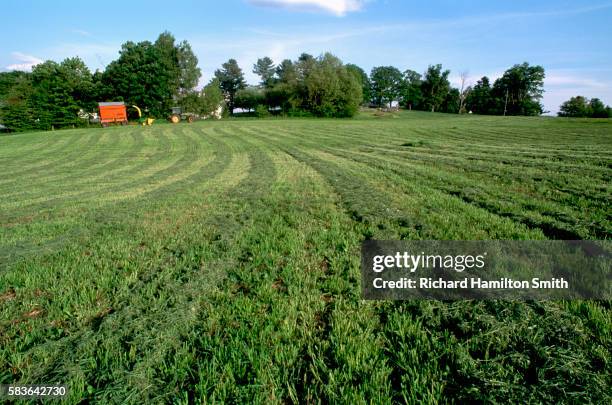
x,y
582,107
159,75
323,86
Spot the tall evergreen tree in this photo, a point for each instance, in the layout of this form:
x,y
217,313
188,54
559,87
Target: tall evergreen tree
x,y
265,69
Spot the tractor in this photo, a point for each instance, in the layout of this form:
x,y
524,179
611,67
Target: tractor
x,y
178,115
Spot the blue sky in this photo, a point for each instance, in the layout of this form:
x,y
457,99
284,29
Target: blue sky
x,y
571,39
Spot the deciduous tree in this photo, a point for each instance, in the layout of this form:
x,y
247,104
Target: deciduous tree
x,y
412,95
386,85
435,87
519,90
364,81
231,79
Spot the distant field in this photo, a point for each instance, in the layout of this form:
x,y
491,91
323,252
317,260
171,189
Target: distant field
x,y
220,260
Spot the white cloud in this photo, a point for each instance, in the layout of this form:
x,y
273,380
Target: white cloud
x,y
24,62
337,7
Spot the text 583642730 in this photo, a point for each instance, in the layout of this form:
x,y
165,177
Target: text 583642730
x,y
32,391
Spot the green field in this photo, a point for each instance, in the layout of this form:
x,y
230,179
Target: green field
x,y
219,261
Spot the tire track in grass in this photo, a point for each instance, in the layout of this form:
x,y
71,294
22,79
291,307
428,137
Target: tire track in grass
x,y
258,280
361,202
471,143
343,324
346,326
229,316
485,164
209,173
178,321
192,182
189,164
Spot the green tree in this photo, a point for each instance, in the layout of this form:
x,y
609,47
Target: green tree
x,y
168,72
211,98
79,80
285,93
331,91
582,107
189,72
350,96
281,95
304,65
8,80
435,87
411,90
363,80
265,69
132,77
519,90
151,75
597,109
320,86
479,98
16,103
59,92
249,98
231,79
452,102
286,72
575,107
387,82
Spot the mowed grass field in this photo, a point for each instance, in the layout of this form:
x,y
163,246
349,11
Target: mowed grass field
x,y
219,261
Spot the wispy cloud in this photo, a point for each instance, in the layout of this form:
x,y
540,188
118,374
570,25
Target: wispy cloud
x,y
336,7
568,80
23,61
81,32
